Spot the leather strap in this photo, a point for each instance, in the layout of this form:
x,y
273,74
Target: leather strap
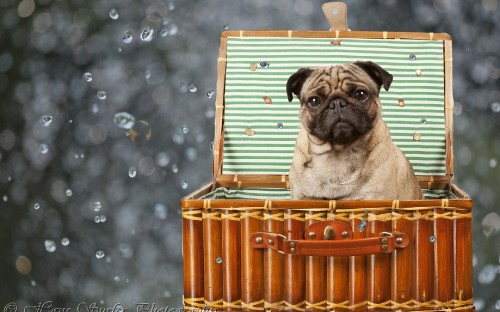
x,y
384,243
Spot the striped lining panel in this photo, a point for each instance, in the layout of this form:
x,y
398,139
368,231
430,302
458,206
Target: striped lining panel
x,y
270,149
284,194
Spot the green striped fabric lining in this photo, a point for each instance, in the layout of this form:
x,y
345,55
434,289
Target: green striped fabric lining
x,y
270,149
284,194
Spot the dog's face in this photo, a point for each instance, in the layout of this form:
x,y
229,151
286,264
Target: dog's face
x,y
339,104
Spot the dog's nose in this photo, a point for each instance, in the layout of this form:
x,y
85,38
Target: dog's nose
x,y
337,103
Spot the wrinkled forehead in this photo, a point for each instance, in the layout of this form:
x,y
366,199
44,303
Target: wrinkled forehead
x,y
344,77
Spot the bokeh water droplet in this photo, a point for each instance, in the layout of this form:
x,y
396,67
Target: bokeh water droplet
x,y
264,64
423,121
171,6
5,198
162,159
116,279
87,76
103,218
497,305
184,184
412,57
192,88
279,125
97,219
491,224
184,129
100,254
225,27
175,168
218,260
493,163
36,206
69,192
46,120
127,36
140,132
210,93
191,154
487,274
132,172
65,241
101,95
362,225
495,107
212,145
33,283
169,29
113,14
97,206
95,108
147,34
124,120
50,246
44,148
432,239
160,211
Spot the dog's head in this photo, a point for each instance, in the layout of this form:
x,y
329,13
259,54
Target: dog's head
x,y
339,104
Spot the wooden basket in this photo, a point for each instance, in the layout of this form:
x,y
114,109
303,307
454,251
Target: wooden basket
x,y
247,246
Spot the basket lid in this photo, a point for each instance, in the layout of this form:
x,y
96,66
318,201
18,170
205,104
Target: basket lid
x,y
256,126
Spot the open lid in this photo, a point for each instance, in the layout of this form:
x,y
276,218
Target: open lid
x,y
256,126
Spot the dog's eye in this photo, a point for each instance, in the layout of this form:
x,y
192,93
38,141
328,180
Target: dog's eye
x,y
361,95
313,102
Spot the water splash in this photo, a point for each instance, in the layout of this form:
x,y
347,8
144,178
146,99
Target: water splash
x,y
124,120
101,95
113,14
127,37
147,34
44,148
132,172
50,246
87,76
46,120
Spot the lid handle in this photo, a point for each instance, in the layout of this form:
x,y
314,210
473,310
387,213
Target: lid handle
x,y
336,14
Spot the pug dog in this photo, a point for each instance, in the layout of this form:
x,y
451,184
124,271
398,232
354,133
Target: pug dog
x,y
344,149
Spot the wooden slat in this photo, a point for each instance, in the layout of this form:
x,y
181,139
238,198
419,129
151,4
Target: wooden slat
x,y
273,264
357,272
424,258
332,34
444,261
403,259
252,262
231,237
337,274
315,271
379,265
219,107
295,270
448,105
462,229
212,247
192,249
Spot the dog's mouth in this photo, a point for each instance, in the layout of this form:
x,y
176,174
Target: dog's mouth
x,y
342,127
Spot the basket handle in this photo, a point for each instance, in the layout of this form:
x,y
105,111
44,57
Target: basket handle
x,y
330,243
336,14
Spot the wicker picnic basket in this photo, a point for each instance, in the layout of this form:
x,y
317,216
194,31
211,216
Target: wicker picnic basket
x,y
247,246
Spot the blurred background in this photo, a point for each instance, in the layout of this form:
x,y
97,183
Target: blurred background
x,y
89,208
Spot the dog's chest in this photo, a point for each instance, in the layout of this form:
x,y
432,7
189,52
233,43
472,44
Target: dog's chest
x,y
338,178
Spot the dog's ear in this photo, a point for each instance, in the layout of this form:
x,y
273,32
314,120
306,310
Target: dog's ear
x,y
377,73
295,82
